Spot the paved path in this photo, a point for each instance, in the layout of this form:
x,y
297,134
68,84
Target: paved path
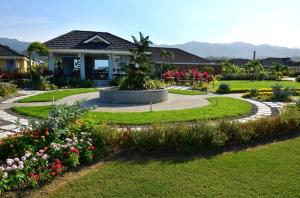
x,y
175,101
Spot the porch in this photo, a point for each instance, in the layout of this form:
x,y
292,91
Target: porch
x,y
89,66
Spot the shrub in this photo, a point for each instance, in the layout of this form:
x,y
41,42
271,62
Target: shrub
x,y
7,89
118,81
208,69
298,79
223,88
155,84
282,94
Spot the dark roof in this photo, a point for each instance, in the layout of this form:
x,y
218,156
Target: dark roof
x,y
239,61
6,51
270,61
75,40
180,56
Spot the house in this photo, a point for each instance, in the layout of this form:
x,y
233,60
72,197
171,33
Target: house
x,y
12,61
101,55
181,59
269,62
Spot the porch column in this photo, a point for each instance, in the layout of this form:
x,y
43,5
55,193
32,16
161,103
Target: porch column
x,y
82,66
51,62
110,66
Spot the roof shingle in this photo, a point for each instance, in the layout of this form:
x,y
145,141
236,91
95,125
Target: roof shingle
x,y
75,40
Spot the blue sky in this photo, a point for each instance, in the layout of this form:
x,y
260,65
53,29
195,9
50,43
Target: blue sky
x,y
274,22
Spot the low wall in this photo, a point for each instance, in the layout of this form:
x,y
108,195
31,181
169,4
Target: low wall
x,y
116,96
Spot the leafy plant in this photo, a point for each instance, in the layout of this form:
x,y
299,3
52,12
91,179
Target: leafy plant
x,y
7,89
223,88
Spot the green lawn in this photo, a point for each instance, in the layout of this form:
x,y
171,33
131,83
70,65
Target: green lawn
x,y
220,107
59,94
265,171
186,92
246,84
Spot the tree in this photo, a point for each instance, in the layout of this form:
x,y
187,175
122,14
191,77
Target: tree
x,y
138,69
279,70
229,68
253,66
36,49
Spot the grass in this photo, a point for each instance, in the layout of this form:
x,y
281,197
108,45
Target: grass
x,y
186,92
59,94
246,84
265,171
220,107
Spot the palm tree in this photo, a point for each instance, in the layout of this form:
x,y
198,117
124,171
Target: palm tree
x,y
139,65
36,48
164,54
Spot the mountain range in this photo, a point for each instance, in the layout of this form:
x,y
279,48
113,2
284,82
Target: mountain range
x,y
204,49
236,50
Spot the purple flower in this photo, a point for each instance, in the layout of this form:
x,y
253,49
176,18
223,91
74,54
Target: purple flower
x,y
21,167
23,158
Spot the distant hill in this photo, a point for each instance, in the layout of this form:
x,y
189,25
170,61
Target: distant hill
x,y
15,44
236,50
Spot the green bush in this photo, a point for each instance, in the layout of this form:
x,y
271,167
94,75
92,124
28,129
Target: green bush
x,y
118,81
155,84
282,94
7,89
298,79
223,88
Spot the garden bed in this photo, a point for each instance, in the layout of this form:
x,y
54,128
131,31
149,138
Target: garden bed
x,y
116,96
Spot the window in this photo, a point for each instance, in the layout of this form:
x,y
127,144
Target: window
x,y
101,64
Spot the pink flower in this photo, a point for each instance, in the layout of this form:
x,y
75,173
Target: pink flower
x,y
9,162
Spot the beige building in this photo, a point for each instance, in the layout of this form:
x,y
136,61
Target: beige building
x,y
12,61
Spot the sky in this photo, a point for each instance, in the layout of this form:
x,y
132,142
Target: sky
x,y
274,22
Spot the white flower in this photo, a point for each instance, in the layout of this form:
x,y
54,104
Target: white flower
x,y
16,159
8,168
5,175
9,162
20,167
23,158
13,167
21,163
2,169
34,159
45,156
27,154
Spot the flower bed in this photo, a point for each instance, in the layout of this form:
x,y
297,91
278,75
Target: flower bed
x,y
187,76
50,148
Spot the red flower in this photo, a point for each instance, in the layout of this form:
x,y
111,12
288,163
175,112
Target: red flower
x,y
92,148
74,150
53,174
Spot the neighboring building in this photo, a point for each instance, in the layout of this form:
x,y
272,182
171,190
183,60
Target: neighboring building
x,y
12,61
269,62
181,59
239,61
101,55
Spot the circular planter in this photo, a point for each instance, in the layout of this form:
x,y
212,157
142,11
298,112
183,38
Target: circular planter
x,y
116,96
